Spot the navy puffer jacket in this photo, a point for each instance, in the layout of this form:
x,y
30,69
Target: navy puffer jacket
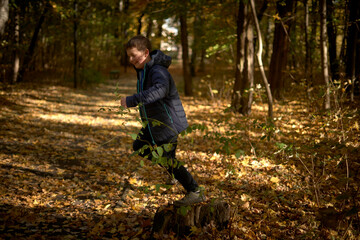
x,y
158,99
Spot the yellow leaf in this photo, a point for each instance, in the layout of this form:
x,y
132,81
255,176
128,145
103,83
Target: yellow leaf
x,y
132,181
274,179
356,125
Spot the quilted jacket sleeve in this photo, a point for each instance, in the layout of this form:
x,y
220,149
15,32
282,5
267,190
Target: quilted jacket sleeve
x,y
159,88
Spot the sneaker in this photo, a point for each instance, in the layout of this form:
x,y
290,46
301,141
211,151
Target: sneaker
x,y
191,198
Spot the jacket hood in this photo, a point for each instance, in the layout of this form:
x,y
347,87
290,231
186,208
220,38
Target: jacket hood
x,y
159,58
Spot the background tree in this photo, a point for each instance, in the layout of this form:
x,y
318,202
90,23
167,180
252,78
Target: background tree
x,y
353,45
4,14
30,51
279,56
332,34
75,42
244,74
185,51
260,62
324,53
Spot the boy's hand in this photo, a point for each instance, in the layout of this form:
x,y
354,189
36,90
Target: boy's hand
x,y
123,102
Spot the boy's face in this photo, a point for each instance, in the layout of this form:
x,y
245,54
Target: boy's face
x,y
136,57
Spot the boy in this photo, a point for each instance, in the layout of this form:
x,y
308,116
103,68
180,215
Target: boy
x,y
161,108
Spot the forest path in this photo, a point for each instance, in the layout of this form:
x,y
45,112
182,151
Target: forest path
x,y
65,169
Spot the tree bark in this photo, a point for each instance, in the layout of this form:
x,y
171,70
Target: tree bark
x,y
123,9
307,49
312,39
196,43
324,53
185,55
30,51
180,219
239,61
331,30
75,42
280,51
4,14
353,45
140,23
16,50
259,58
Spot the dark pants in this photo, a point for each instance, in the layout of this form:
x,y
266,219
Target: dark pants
x,y
180,173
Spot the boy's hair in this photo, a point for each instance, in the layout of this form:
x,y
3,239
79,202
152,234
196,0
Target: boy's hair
x,y
140,42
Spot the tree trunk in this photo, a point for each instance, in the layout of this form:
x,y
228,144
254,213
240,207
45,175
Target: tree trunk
x,y
293,63
75,42
4,14
353,45
30,51
140,23
239,61
331,30
16,50
342,56
181,219
312,39
307,49
280,51
196,44
259,58
122,10
202,48
324,52
185,55
247,86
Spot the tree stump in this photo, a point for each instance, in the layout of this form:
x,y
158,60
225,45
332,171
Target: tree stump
x,y
180,219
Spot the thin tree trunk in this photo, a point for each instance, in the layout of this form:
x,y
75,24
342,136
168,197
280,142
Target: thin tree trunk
x,y
307,49
247,88
280,51
331,30
239,61
75,43
30,51
342,57
196,43
324,52
140,23
202,48
352,45
293,39
124,6
259,59
267,42
185,55
4,14
16,51
312,38
242,96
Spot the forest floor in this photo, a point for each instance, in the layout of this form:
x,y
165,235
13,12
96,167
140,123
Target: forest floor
x,y
66,173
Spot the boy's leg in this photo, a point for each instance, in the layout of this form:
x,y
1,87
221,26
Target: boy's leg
x,y
193,195
181,173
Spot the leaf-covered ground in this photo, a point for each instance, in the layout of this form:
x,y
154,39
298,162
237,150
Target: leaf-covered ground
x,y
65,170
